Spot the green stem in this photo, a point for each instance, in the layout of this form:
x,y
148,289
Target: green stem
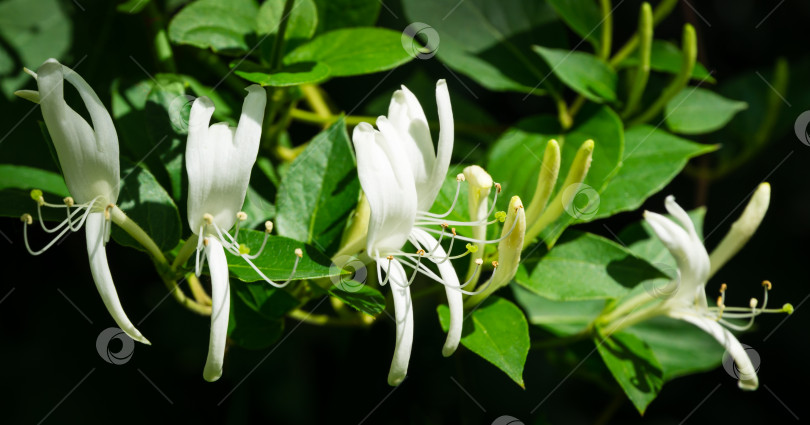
x,y
180,297
661,11
315,99
197,290
325,320
122,220
163,50
278,45
607,28
679,82
642,74
186,251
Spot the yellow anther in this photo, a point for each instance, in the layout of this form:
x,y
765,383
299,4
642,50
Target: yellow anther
x,y
460,177
36,195
208,218
720,303
241,216
27,219
205,241
444,225
788,308
498,187
299,253
421,252
495,264
268,226
723,288
753,303
107,210
472,248
453,231
69,201
767,284
500,216
390,257
244,249
479,261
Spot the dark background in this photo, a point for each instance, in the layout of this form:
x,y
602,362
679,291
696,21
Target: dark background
x,y
50,313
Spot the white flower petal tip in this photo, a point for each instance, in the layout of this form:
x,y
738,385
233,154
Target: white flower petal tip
x,y
394,379
449,349
29,95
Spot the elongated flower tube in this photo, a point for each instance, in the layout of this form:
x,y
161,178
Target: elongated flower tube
x,y
742,229
219,159
88,156
401,175
687,298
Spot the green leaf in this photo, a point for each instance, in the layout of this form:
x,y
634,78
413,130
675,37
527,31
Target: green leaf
x,y
132,7
353,51
320,190
145,201
680,347
497,331
582,16
634,366
667,57
290,75
303,21
335,14
361,297
696,111
583,72
256,317
584,266
31,32
16,183
270,302
563,318
497,54
652,158
278,258
222,25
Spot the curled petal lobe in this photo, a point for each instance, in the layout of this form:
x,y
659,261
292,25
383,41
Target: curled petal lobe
x,y
220,309
408,120
95,231
446,136
403,312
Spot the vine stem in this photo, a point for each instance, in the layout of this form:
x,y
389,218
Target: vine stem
x,y
278,45
325,320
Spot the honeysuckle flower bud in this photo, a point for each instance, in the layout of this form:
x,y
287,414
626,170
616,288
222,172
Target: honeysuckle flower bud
x,y
576,175
88,156
742,229
509,249
546,179
687,299
401,177
219,159
479,183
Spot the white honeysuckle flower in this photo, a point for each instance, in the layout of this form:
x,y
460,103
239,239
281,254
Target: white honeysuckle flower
x,y
88,156
688,298
401,175
219,159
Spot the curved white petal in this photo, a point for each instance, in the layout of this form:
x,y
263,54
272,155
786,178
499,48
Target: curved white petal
x,y
748,375
220,309
409,122
742,229
690,255
197,159
445,147
88,156
454,297
95,231
249,131
403,312
389,188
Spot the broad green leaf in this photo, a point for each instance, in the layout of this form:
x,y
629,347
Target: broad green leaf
x,y
680,347
334,14
145,201
222,25
16,183
31,32
301,24
666,57
515,159
498,332
277,260
584,266
563,318
319,191
290,75
256,317
265,299
652,158
582,16
497,54
634,365
583,72
353,51
359,296
257,208
696,111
